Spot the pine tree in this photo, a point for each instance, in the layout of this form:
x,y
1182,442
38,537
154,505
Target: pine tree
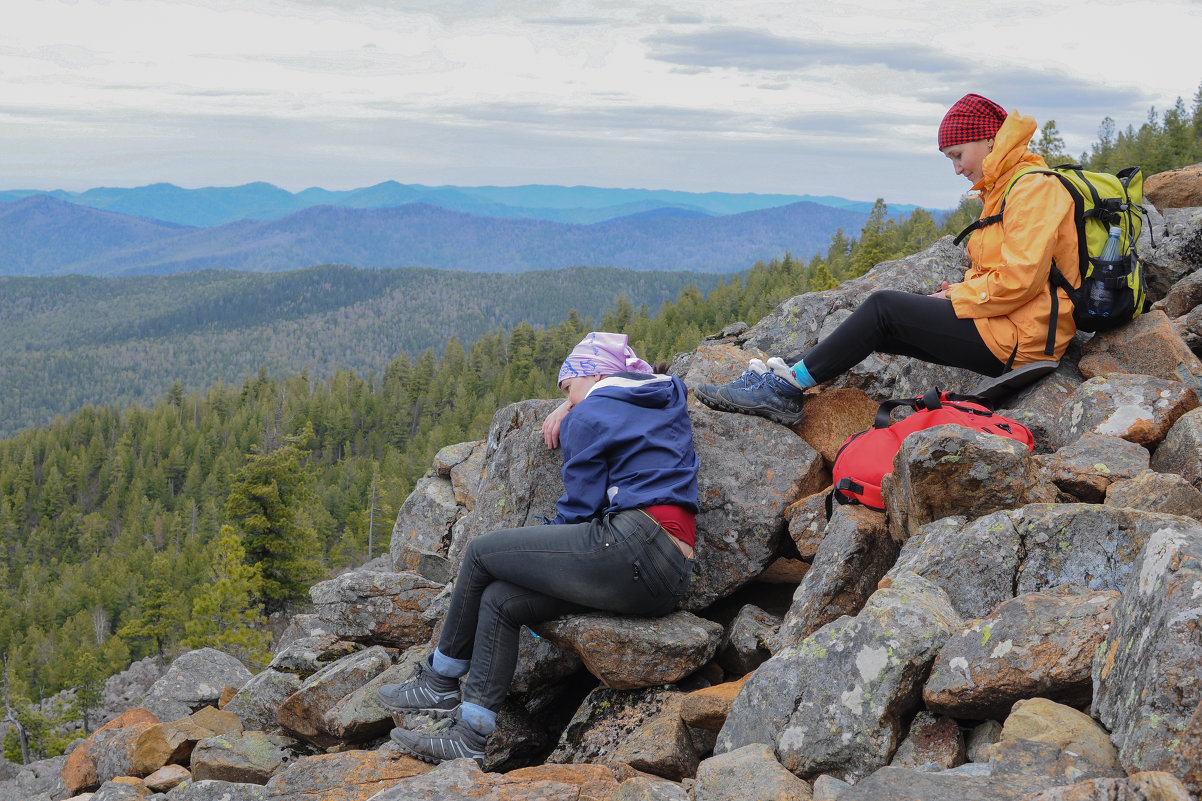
x,y
225,616
265,502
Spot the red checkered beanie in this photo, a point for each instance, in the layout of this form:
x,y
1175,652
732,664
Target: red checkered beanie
x,y
972,118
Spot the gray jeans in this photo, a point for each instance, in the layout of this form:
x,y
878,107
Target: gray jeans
x,y
623,563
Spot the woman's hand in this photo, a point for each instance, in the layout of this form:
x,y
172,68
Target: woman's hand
x,y
552,423
942,293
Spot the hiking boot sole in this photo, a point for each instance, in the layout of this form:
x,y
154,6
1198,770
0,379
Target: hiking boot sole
x,y
758,411
429,759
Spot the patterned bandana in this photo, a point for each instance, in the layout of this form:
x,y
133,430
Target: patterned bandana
x,y
602,353
972,118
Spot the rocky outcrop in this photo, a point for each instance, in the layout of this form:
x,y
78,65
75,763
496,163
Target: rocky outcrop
x,y
1045,604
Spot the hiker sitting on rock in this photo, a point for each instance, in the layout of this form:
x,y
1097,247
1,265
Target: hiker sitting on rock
x,y
621,541
1000,317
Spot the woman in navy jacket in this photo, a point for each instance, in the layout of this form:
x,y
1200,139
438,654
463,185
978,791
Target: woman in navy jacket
x,y
621,541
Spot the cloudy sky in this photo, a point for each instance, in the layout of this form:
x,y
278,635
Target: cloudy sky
x,y
839,98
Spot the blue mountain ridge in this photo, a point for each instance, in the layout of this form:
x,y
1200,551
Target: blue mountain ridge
x,y
41,235
213,206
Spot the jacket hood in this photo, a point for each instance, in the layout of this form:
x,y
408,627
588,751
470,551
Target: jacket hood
x,y
1009,150
642,389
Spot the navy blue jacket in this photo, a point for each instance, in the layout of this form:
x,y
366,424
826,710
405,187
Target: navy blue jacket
x,y
629,444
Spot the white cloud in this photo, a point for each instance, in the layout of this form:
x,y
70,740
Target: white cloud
x,y
833,98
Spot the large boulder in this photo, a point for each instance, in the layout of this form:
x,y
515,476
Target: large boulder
x,y
1178,250
351,775
1086,468
953,470
423,523
1181,451
257,703
629,653
1166,493
1032,549
194,680
1041,644
1137,408
1146,675
750,773
641,728
1069,729
1175,189
1147,346
855,553
303,714
376,608
837,703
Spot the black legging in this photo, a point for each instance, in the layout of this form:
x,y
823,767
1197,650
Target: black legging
x,y
904,324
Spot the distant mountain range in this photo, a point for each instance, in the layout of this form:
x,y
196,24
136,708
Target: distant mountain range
x,y
43,235
211,206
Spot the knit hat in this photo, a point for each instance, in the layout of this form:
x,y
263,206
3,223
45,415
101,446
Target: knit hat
x,y
972,118
602,353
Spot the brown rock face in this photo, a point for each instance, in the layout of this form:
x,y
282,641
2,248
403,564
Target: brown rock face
x,y
707,709
933,739
1045,721
79,772
1175,189
349,776
832,416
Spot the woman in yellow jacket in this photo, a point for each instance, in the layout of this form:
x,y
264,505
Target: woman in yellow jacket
x,y
998,318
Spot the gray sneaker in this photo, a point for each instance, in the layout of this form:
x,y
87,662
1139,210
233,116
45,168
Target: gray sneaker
x,y
767,395
427,692
443,741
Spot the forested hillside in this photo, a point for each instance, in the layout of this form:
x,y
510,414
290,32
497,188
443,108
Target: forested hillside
x,y
135,530
74,340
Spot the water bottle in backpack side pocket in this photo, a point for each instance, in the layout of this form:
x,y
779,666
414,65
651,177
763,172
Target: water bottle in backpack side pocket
x,y
1101,297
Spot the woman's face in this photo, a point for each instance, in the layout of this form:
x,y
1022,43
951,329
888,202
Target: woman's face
x,y
576,389
968,158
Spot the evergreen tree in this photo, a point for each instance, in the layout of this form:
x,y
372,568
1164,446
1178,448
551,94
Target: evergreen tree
x,y
225,616
266,502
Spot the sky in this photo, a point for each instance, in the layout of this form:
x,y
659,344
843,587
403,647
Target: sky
x,y
800,97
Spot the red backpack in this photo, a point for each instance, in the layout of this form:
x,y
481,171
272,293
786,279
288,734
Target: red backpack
x,y
865,458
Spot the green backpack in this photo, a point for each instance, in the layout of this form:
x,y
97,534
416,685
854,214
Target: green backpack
x,y
1100,200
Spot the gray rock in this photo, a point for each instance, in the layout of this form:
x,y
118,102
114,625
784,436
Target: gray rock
x,y
981,739
975,563
192,681
125,690
1086,468
37,780
359,716
250,757
1181,451
1148,346
836,703
1146,673
541,663
642,788
257,703
303,714
807,524
111,791
640,727
1138,408
828,788
213,790
521,480
463,779
465,475
1185,296
1178,250
902,784
424,522
376,608
855,553
751,470
1028,550
304,656
744,646
629,653
1033,645
952,470
750,773
1157,492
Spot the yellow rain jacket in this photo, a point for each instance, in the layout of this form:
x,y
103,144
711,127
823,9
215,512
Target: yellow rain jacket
x,y
1006,292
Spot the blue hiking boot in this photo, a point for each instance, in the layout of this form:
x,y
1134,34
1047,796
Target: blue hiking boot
x,y
443,741
767,395
427,692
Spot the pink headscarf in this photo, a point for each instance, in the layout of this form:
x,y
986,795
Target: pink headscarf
x,y
602,353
